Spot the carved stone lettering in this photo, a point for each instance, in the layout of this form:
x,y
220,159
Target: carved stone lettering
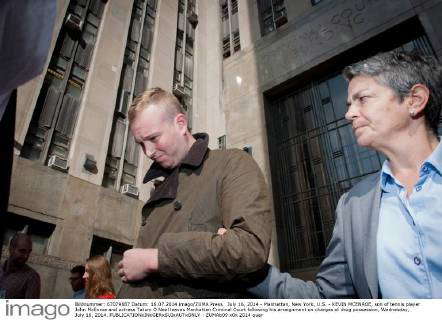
x,y
340,24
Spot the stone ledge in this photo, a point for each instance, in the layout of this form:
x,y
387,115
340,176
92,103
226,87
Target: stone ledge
x,y
45,260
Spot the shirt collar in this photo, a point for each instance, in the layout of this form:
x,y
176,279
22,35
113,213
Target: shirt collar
x,y
434,161
168,188
194,158
387,178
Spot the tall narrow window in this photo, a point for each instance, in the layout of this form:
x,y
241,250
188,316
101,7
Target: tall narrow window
x,y
53,122
183,71
273,14
229,17
222,142
122,158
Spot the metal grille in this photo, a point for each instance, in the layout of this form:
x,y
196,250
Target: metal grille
x,y
230,25
222,142
184,56
123,153
315,159
55,115
273,14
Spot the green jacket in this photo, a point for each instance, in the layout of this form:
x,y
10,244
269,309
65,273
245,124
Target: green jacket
x,y
209,190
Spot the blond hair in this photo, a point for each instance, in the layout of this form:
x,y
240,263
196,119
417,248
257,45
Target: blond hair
x,y
159,98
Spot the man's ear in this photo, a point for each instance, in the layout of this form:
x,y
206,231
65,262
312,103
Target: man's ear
x,y
181,122
418,97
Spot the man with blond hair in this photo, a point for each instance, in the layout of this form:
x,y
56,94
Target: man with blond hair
x,y
179,253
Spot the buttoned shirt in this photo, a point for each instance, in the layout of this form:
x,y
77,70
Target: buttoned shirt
x,y
409,241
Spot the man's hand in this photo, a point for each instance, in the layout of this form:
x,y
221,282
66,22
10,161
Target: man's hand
x,y
137,264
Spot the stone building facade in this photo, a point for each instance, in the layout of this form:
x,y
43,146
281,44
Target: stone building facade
x,y
254,74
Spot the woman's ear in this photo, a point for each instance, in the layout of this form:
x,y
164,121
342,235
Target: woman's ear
x,y
418,99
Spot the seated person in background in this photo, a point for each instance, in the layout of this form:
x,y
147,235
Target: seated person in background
x,y
17,279
98,277
386,241
77,282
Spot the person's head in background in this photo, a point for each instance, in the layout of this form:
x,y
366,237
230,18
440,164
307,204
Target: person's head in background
x,y
20,247
76,278
98,277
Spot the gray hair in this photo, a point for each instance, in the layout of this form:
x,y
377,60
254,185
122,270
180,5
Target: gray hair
x,y
400,71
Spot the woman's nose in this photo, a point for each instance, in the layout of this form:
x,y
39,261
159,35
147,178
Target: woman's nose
x,y
351,112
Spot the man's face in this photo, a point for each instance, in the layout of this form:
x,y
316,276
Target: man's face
x,y
376,114
19,254
160,137
77,281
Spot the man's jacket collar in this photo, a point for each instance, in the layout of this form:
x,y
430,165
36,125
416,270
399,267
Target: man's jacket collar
x,y
194,158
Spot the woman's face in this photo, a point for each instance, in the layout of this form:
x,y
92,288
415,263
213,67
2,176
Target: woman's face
x,y
86,273
378,118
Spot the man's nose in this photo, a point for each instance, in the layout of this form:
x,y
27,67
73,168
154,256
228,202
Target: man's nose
x,y
149,150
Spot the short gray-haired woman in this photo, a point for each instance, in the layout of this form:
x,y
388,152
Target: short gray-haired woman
x,y
386,241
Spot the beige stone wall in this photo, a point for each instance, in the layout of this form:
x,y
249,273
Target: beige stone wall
x,y
95,117
249,28
163,50
208,111
298,8
79,209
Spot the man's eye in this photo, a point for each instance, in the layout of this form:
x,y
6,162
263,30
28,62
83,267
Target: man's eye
x,y
363,99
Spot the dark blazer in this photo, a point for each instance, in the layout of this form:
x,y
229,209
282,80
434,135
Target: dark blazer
x,y
349,269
